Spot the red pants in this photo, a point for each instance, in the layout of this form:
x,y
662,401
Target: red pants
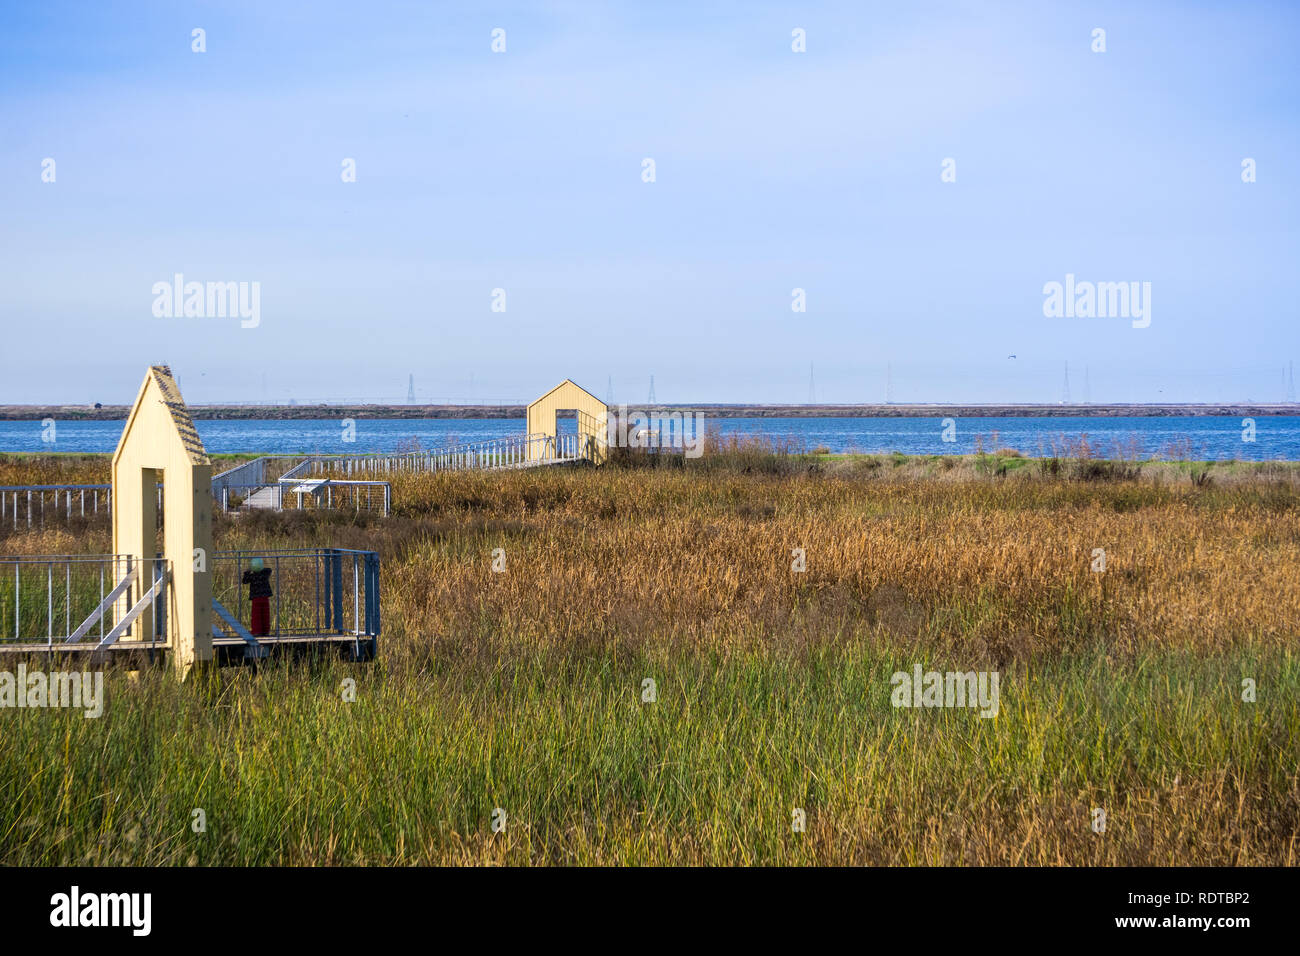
x,y
261,617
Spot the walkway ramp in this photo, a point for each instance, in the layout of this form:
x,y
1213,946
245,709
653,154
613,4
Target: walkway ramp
x,y
497,454
337,481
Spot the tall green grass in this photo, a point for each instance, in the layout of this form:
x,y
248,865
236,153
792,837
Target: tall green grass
x,y
411,772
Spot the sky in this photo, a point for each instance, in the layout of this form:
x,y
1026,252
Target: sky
x,y
525,171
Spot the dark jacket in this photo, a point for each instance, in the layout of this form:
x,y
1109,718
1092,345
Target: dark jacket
x,y
259,583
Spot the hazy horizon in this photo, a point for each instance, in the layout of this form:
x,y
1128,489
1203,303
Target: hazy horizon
x,y
420,403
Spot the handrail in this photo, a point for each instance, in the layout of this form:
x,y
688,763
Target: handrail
x,y
505,452
65,598
514,451
57,487
26,505
314,591
325,489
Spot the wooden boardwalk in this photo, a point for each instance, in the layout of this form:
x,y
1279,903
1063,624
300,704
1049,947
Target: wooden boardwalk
x,y
226,650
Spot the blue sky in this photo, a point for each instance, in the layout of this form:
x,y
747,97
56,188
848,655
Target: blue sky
x,y
774,170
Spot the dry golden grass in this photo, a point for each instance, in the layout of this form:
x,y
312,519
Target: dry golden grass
x,y
1001,566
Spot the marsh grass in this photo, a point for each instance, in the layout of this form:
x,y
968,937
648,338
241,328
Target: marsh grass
x,y
286,772
522,690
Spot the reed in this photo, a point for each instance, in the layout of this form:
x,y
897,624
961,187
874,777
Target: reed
x,y
523,690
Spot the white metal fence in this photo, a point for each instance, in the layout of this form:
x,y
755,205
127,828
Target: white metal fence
x,y
33,506
496,453
67,599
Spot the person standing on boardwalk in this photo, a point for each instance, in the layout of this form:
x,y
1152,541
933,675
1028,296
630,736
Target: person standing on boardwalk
x,y
258,579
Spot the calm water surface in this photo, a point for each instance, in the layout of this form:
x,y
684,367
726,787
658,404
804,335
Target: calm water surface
x,y
1202,437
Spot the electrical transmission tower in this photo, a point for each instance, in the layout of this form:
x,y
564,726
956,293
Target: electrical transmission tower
x,y
609,392
1065,388
812,386
652,400
410,389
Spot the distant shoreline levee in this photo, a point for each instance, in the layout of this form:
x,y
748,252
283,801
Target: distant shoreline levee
x,y
332,412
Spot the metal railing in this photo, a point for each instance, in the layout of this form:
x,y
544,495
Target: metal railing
x,y
496,453
234,497
66,599
314,591
250,473
336,494
569,446
305,493
266,470
264,483
31,506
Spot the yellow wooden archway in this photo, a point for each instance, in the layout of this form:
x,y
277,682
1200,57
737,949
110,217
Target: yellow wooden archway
x,y
159,443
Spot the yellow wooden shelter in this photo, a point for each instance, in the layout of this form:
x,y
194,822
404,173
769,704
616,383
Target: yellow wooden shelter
x,y
592,414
